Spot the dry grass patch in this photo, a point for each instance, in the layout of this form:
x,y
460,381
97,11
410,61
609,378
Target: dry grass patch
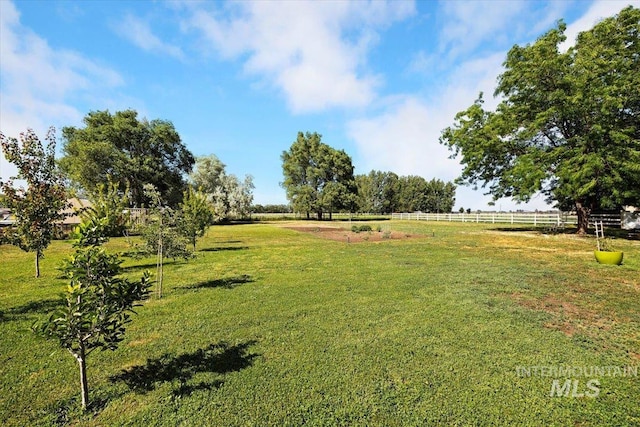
x,y
340,234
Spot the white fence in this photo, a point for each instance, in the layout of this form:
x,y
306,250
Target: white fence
x,y
534,218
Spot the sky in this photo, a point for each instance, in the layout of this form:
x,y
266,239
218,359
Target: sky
x,y
379,79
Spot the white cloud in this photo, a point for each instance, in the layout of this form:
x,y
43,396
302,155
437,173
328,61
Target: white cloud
x,y
313,52
471,23
37,81
139,33
404,139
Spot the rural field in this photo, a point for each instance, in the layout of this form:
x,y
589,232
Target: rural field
x,y
288,323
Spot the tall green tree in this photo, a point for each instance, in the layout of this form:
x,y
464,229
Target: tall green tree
x,y
440,196
317,177
129,151
377,192
412,193
38,208
568,125
98,303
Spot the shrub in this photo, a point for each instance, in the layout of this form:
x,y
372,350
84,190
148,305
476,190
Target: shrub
x,y
361,228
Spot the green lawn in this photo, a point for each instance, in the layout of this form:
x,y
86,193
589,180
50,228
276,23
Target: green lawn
x,y
270,326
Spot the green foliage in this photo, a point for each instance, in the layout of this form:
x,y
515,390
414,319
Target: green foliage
x,y
110,204
207,174
39,207
386,192
377,192
195,216
568,126
160,233
318,178
97,302
360,228
92,231
229,197
130,152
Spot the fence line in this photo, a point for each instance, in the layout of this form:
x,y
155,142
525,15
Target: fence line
x,y
534,218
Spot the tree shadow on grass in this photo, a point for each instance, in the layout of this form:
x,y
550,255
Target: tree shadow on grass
x,y
152,265
546,229
223,248
34,307
221,358
226,282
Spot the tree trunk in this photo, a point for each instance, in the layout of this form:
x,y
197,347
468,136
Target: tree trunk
x,y
583,218
319,213
84,387
37,264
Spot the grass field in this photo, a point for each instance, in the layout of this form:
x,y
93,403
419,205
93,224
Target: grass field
x,y
271,326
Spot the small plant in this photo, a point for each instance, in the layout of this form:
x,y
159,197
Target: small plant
x,y
386,234
379,228
98,301
603,243
361,228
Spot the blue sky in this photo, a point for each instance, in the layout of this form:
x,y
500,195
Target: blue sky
x,y
378,79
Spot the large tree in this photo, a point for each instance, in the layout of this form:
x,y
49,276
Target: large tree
x,y
40,207
129,151
228,196
377,192
317,177
568,124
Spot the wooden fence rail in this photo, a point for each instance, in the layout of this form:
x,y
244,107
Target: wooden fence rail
x,y
533,218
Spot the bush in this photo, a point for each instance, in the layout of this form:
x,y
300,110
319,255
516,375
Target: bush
x,y
361,228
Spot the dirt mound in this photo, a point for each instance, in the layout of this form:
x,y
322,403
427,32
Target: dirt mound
x,y
348,236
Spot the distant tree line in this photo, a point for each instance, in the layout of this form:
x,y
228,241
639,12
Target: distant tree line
x,y
319,179
386,192
271,208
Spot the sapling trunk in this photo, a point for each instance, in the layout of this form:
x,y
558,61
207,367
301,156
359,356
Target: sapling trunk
x,y
37,264
82,364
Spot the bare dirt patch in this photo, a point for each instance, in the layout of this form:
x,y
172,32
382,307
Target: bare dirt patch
x,y
345,235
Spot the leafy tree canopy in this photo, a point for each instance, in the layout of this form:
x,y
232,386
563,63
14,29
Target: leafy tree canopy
x,y
568,124
229,197
39,207
317,178
131,152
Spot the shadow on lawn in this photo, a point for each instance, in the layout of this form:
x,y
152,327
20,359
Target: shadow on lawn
x,y
548,229
617,233
223,248
220,358
33,307
226,282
